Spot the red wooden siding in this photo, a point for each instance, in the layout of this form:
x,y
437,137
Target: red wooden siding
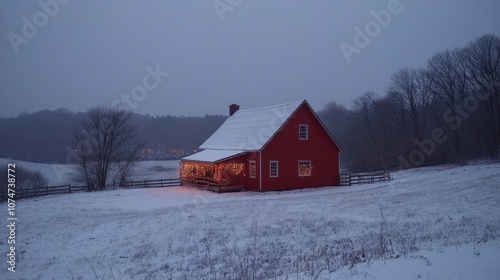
x,y
286,148
252,183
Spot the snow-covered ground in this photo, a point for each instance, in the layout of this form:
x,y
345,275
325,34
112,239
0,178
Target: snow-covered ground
x,y
57,174
156,169
428,223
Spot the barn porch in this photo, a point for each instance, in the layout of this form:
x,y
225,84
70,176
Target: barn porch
x,y
216,171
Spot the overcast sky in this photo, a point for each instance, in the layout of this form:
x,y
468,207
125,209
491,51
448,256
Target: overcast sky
x,y
252,52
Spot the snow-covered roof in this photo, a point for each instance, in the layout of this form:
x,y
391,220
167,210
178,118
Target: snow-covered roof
x,y
213,156
250,129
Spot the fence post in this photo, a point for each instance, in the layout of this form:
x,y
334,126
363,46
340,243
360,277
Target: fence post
x,y
69,187
47,190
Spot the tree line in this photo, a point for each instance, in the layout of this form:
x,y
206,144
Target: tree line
x,y
447,111
46,136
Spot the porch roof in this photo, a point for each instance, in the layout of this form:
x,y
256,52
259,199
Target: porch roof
x,y
213,156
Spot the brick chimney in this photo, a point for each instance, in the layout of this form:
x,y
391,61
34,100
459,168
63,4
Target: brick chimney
x,y
233,108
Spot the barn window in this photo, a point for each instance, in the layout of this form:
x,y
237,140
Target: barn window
x,y
252,169
303,132
273,168
304,168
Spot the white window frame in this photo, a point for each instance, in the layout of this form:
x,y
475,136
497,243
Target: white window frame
x,y
306,132
254,164
310,168
271,169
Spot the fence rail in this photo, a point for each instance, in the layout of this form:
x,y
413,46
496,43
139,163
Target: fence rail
x,y
151,183
49,190
364,178
61,189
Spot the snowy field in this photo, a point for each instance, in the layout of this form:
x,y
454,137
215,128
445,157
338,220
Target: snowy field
x,y
428,223
61,174
156,169
58,174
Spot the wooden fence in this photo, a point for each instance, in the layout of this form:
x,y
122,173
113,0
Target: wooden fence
x,y
364,178
151,183
206,183
33,192
49,190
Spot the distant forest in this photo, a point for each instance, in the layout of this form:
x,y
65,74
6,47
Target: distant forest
x,y
447,111
46,135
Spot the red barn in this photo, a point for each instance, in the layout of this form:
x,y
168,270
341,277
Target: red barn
x,y
274,148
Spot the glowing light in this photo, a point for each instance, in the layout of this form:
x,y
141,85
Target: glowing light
x,y
305,168
219,172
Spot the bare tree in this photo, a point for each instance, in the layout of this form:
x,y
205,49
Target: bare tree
x,y
26,179
104,145
460,87
124,164
372,131
410,91
448,88
483,57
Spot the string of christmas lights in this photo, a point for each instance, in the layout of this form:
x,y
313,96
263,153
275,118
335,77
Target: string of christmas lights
x,y
219,172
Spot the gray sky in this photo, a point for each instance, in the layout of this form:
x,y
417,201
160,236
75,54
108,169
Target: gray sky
x,y
255,53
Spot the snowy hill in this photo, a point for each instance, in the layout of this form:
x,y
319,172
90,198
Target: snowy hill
x,y
427,223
